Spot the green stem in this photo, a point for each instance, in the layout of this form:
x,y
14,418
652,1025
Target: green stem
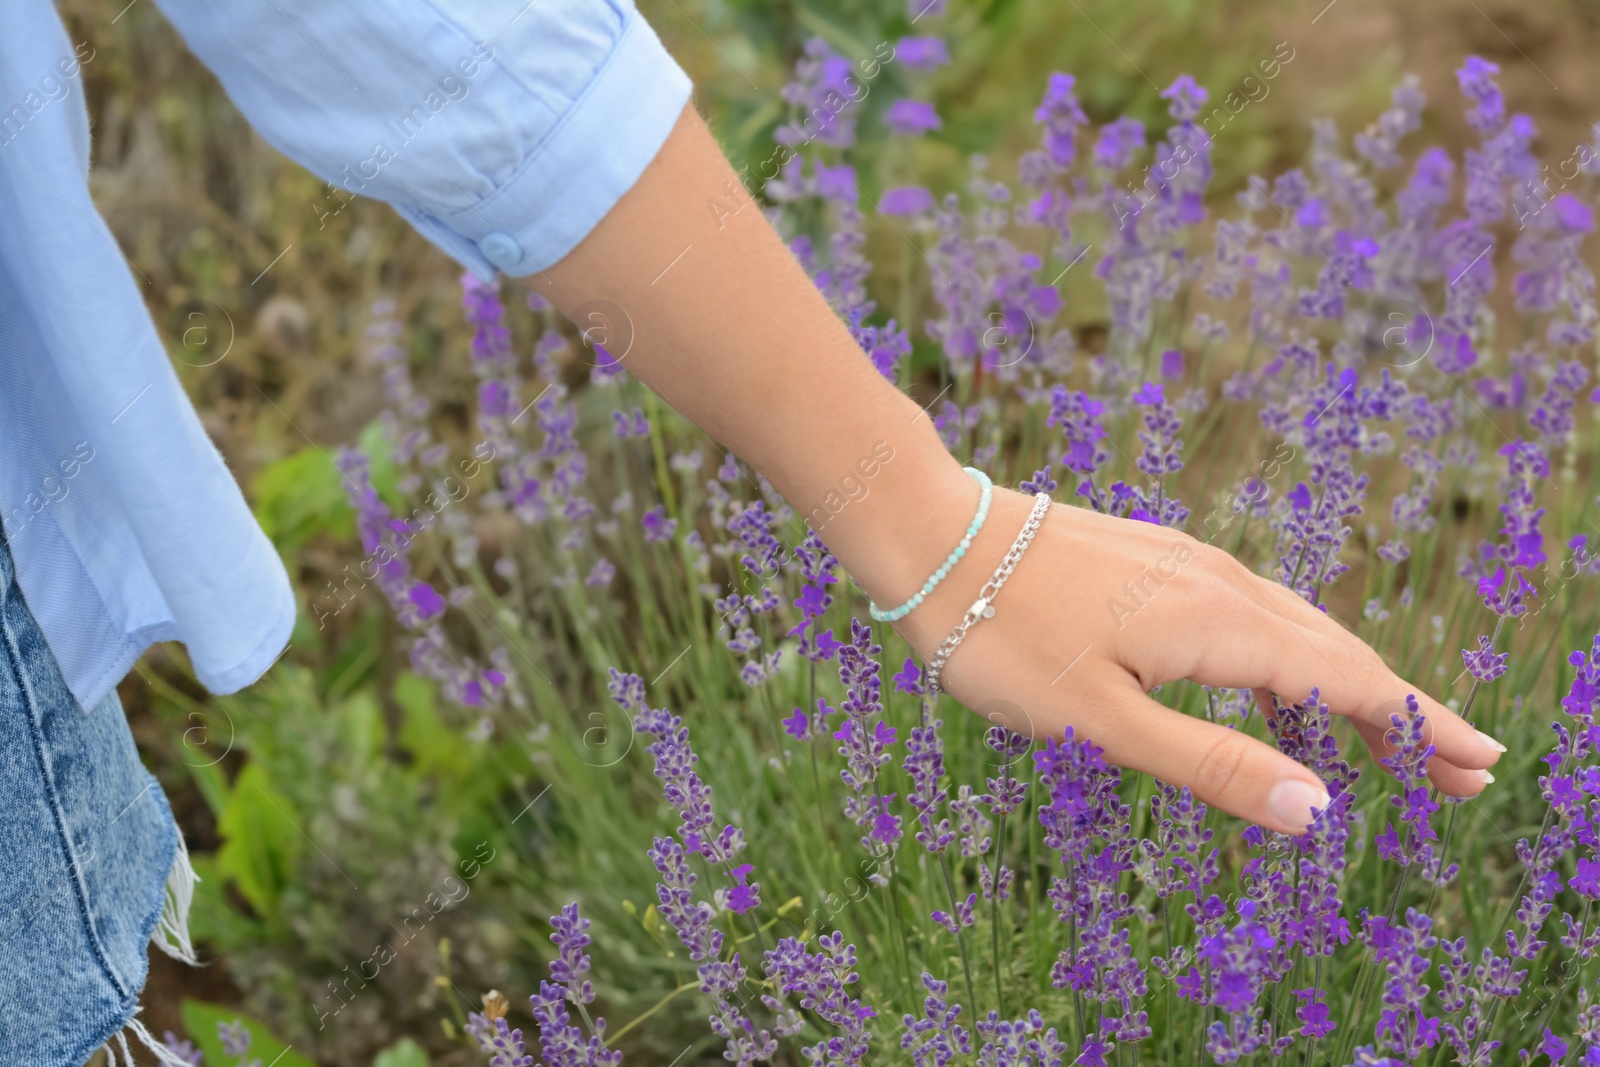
x,y
994,910
1565,980
1172,999
657,1006
900,929
961,942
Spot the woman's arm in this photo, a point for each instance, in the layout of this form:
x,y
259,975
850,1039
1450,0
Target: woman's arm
x,y
727,327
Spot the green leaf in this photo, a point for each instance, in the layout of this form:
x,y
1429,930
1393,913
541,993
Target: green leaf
x,y
376,444
300,496
213,916
261,840
407,1053
201,1020
844,39
361,729
210,780
436,748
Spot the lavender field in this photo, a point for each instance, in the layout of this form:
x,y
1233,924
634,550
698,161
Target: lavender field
x,y
586,750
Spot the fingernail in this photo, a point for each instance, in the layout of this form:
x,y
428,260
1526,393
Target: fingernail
x,y
1488,779
1491,742
1291,801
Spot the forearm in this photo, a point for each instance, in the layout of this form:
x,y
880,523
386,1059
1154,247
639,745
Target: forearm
x,y
727,328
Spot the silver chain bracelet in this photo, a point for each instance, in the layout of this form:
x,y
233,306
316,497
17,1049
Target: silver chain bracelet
x,y
983,607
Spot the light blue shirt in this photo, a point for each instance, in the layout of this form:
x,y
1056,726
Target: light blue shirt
x,y
503,130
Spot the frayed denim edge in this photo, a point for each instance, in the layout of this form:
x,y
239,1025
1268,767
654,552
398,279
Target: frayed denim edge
x,y
125,1017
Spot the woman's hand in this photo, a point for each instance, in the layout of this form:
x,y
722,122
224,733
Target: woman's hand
x,y
1102,609
708,307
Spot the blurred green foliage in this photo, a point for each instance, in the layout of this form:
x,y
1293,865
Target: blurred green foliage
x,y
201,1022
337,820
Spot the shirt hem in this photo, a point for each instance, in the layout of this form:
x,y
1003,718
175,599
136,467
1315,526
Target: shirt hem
x,y
251,667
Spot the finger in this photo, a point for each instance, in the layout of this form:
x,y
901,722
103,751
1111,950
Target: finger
x,y
1295,606
1382,743
1366,690
1455,779
1222,767
1264,645
1450,779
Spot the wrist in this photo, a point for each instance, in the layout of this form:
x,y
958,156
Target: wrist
x,y
888,512
932,620
894,529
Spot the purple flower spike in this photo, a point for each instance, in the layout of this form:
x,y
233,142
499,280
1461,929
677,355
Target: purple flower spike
x,y
820,984
1316,1021
600,575
183,1050
907,200
863,735
924,763
745,895
1041,482
909,679
1188,97
1079,417
235,1038
427,600
1061,116
911,118
1238,960
569,936
1484,664
1119,142
797,725
826,93
657,527
936,1038
1586,882
508,1047
692,918
921,53
1411,840
1478,85
1148,394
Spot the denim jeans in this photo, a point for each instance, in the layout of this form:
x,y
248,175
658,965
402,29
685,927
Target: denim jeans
x,y
87,845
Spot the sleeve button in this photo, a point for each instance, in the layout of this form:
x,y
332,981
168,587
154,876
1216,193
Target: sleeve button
x,y
501,249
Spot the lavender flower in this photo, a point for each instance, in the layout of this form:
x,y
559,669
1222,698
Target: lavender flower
x,y
818,981
924,764
1061,116
907,200
236,1038
826,93
1484,664
185,1051
864,738
911,118
689,917
921,53
1041,482
1119,142
936,1039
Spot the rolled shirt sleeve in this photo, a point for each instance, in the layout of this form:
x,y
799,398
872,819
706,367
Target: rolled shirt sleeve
x,y
503,130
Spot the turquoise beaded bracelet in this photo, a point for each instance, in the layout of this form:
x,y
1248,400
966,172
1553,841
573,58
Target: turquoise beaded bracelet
x,y
895,614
